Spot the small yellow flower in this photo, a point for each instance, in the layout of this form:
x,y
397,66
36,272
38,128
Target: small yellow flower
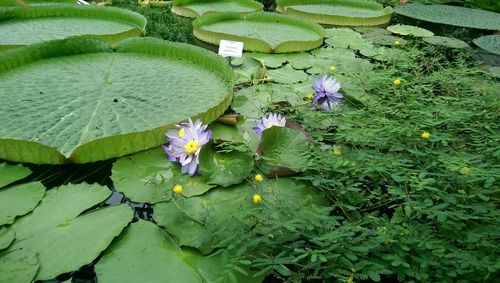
x,y
425,135
396,42
256,198
337,152
396,82
177,189
259,178
332,69
310,96
466,170
181,133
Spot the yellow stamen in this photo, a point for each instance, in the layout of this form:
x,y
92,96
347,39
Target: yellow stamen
x,y
256,198
181,133
191,147
259,178
177,189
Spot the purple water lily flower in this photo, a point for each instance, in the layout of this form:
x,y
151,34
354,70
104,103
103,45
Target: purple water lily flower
x,y
185,144
327,95
268,122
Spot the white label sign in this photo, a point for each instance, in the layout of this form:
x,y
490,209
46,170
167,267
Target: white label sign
x,y
229,48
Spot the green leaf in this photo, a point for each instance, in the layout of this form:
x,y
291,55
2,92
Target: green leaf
x,y
337,12
225,168
409,30
19,200
63,240
11,173
18,266
451,15
121,103
447,42
260,32
284,147
149,177
196,8
202,220
33,24
143,253
349,39
6,237
489,43
286,75
224,132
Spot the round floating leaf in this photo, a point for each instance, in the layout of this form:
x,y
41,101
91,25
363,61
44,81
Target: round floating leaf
x,y
28,25
6,237
490,43
34,2
409,30
11,173
337,12
225,168
260,32
63,240
18,266
286,75
349,39
451,15
223,132
447,42
19,200
198,221
148,177
196,8
284,147
143,253
77,101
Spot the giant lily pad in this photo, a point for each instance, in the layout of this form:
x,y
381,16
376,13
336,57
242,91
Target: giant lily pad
x,y
261,32
196,8
451,15
28,25
78,101
144,254
337,12
63,240
196,221
410,30
148,177
490,43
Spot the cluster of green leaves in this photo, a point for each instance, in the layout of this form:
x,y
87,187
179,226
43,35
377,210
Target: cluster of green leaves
x,y
403,207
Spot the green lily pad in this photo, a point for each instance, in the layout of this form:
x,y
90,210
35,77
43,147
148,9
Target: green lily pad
x,y
19,200
143,253
196,8
349,39
18,266
33,24
495,72
286,75
337,12
225,168
248,71
121,103
63,240
284,147
200,221
276,60
489,43
149,177
447,42
451,15
409,30
8,3
381,36
11,173
6,237
260,32
223,132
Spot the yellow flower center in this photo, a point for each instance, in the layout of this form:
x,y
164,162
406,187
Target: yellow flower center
x,y
181,133
256,198
259,178
191,147
396,82
177,189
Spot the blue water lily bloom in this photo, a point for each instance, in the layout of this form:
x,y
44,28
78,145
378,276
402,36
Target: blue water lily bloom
x,y
267,122
327,94
185,144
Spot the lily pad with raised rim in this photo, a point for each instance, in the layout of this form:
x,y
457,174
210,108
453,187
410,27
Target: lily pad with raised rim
x,y
337,12
21,26
451,15
260,32
78,101
196,8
